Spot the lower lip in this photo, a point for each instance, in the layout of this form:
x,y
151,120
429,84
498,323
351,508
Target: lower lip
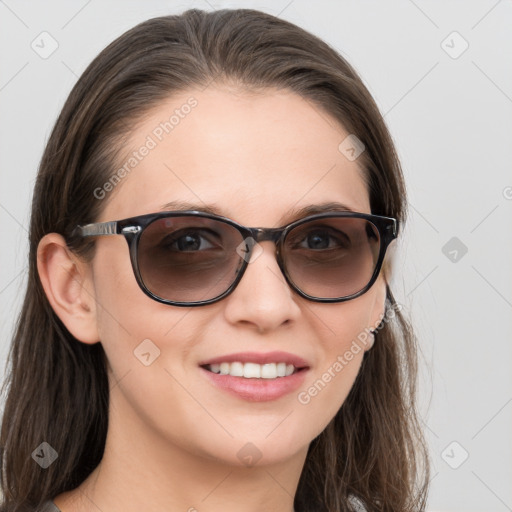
x,y
257,390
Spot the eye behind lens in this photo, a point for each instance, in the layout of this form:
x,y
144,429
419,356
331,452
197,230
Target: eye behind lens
x,y
341,264
188,259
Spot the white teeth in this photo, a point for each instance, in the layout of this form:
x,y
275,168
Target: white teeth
x,y
281,369
253,370
269,371
236,370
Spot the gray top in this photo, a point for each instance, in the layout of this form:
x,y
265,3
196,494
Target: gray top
x,y
49,506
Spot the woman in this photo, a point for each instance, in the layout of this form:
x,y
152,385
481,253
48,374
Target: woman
x,y
241,347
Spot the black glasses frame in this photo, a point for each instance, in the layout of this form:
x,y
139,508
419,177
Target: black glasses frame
x,y
132,228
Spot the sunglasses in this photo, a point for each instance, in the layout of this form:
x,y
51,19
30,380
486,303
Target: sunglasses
x,y
193,258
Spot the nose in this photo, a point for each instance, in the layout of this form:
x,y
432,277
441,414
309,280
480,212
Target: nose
x,y
262,298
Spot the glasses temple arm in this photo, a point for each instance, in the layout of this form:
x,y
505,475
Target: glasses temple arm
x,y
100,228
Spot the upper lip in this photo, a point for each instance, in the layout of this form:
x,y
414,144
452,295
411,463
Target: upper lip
x,y
259,358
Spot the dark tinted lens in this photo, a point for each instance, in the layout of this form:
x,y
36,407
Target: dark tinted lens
x,y
332,257
188,259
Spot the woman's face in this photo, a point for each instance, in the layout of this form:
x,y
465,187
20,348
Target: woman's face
x,y
257,158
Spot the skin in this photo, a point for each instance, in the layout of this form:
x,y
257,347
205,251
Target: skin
x,y
173,437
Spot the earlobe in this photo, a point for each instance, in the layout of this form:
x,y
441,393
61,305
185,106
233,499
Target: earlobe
x,y
68,286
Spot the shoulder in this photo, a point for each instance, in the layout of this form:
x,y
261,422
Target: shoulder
x,y
357,504
48,506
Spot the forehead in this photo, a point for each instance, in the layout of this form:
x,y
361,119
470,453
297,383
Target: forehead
x,y
251,155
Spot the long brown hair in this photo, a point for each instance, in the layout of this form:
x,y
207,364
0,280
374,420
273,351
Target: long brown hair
x,y
57,388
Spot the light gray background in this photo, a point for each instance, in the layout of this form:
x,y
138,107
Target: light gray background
x,y
452,123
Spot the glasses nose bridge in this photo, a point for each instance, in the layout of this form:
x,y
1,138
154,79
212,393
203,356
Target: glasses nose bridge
x,y
266,234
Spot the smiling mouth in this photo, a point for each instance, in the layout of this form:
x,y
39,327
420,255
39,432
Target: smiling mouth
x,y
253,370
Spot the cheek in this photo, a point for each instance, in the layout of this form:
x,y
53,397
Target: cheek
x,y
342,334
126,316
340,327
118,297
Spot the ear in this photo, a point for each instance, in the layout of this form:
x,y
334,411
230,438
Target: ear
x,y
67,282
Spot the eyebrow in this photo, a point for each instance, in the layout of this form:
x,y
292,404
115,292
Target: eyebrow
x,y
290,216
